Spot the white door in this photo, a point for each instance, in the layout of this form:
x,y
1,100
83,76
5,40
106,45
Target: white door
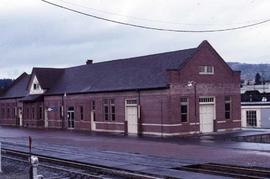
x,y
20,116
207,112
132,119
93,123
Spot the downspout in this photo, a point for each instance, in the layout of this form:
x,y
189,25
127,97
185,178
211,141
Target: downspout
x,y
139,113
43,112
16,113
161,117
63,110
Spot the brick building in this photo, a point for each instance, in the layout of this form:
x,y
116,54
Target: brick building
x,y
173,93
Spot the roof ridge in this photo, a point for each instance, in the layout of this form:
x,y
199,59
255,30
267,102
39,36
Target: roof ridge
x,y
134,57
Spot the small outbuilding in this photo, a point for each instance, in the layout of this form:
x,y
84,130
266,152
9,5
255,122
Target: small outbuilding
x,y
255,109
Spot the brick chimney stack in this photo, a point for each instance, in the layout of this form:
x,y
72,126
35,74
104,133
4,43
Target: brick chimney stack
x,y
89,62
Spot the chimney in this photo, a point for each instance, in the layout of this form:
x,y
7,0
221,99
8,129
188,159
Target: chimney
x,y
89,62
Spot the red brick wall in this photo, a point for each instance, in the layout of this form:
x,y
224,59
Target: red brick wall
x,y
31,115
160,109
8,112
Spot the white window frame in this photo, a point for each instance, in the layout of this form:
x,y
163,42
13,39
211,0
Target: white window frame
x,y
253,118
203,70
184,103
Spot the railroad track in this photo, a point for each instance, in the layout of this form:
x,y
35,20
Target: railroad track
x,y
78,169
229,170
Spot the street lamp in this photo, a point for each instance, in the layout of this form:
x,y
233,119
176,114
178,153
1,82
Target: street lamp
x,y
194,85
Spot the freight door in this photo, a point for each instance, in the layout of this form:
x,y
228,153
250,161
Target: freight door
x,y
132,116
207,115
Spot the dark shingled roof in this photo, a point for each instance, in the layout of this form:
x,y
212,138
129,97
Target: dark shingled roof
x,y
18,87
31,98
47,77
254,96
145,72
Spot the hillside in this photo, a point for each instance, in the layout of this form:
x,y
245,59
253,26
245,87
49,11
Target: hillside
x,y
4,83
248,71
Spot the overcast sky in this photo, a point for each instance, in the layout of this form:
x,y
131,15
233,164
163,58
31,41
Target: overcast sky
x,y
33,33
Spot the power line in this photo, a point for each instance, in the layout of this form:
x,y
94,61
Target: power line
x,y
157,28
149,20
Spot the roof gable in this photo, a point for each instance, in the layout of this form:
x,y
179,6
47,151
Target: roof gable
x,y
47,77
206,44
18,88
34,86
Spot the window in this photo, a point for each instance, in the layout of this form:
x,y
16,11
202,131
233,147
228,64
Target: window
x,y
206,100
27,113
8,113
93,105
35,86
112,110
251,118
132,102
33,113
206,70
227,107
3,112
184,109
81,112
109,109
14,112
106,109
40,112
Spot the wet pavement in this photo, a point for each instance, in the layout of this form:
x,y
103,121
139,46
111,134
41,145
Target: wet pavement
x,y
146,154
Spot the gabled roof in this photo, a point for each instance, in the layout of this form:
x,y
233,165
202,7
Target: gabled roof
x,y
17,88
145,72
47,77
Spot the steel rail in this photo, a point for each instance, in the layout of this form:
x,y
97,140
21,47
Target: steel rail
x,y
82,165
58,168
228,170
